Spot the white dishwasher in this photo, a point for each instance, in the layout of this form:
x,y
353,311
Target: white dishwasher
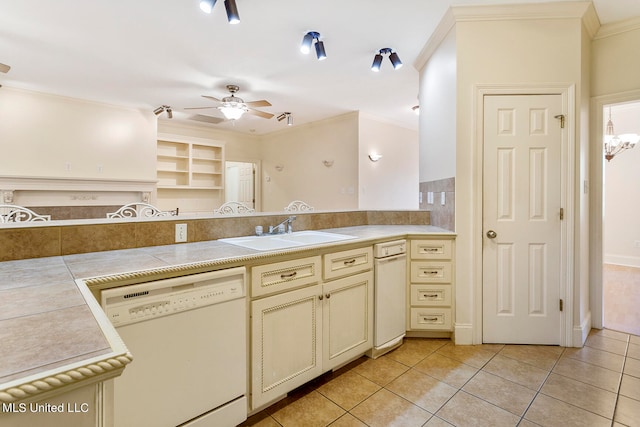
x,y
390,296
187,336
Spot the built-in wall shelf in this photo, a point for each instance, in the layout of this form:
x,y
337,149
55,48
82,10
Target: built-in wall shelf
x,y
189,169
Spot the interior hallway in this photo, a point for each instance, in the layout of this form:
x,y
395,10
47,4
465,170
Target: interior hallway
x,y
621,298
429,382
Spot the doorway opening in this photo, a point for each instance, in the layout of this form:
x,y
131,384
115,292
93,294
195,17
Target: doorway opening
x,y
240,183
621,224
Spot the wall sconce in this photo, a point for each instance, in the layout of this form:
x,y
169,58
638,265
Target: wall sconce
x,y
279,168
374,157
327,163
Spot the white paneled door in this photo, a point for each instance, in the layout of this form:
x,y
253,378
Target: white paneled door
x,y
521,219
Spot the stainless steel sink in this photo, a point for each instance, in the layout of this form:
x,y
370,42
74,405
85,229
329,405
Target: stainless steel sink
x,y
283,241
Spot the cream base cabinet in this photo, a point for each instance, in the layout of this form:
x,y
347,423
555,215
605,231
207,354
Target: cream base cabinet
x,y
347,319
286,351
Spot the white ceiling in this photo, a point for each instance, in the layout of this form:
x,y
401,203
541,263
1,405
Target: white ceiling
x,y
145,53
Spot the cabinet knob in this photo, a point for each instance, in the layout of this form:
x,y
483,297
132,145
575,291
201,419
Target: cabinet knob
x,y
320,297
328,296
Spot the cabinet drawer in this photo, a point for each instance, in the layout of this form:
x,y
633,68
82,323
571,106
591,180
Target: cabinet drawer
x,y
431,318
431,272
431,249
431,295
345,263
271,278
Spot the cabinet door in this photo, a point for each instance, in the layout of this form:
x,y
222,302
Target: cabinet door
x,y
347,319
286,346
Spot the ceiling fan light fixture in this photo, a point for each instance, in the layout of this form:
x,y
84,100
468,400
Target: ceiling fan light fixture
x,y
232,111
207,5
232,11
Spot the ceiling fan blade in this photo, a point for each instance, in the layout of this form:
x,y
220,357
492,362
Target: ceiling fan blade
x,y
197,108
259,113
211,98
261,103
4,68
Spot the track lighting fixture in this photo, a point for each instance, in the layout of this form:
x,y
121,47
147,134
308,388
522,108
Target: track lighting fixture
x,y
162,109
307,41
230,5
416,109
393,57
287,116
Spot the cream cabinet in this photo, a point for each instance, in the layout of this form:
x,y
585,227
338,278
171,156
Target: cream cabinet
x,y
431,287
302,326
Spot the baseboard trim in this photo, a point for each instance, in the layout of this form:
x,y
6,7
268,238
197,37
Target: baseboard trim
x,y
581,332
463,334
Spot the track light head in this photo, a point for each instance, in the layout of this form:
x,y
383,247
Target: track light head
x,y
232,11
207,5
287,116
161,109
320,52
393,57
395,60
307,40
377,61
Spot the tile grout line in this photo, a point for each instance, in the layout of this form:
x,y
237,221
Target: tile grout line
x,y
624,363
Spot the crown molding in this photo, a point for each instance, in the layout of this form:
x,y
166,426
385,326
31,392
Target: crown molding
x,y
619,27
510,12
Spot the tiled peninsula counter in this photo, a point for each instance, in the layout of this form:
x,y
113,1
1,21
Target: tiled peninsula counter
x,y
54,336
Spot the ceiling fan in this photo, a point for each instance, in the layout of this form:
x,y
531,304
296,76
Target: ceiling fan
x,y
233,107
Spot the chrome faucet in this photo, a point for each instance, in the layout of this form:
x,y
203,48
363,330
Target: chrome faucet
x,y
288,221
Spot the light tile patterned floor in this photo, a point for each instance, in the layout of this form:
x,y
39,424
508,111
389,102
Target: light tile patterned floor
x,y
433,383
621,298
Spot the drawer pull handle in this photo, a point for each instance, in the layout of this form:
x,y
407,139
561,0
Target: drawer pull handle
x,y
432,272
430,295
288,276
430,319
350,262
431,249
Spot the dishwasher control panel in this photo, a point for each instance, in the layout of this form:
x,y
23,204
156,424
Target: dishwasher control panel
x,y
136,303
386,249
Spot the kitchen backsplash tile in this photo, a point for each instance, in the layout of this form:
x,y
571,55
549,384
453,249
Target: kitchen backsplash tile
x,y
39,241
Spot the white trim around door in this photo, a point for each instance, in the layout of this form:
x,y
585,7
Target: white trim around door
x,y
568,334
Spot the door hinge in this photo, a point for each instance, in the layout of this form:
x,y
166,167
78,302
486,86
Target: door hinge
x,y
561,305
561,214
561,118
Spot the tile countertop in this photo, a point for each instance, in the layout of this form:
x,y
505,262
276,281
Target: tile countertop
x,y
53,333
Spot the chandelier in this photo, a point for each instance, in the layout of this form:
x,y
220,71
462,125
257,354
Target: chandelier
x,y
615,144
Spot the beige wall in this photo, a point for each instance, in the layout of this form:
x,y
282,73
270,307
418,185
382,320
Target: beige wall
x,y
391,182
300,150
53,136
438,112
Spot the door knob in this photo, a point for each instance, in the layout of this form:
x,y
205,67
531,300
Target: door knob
x,y
492,234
